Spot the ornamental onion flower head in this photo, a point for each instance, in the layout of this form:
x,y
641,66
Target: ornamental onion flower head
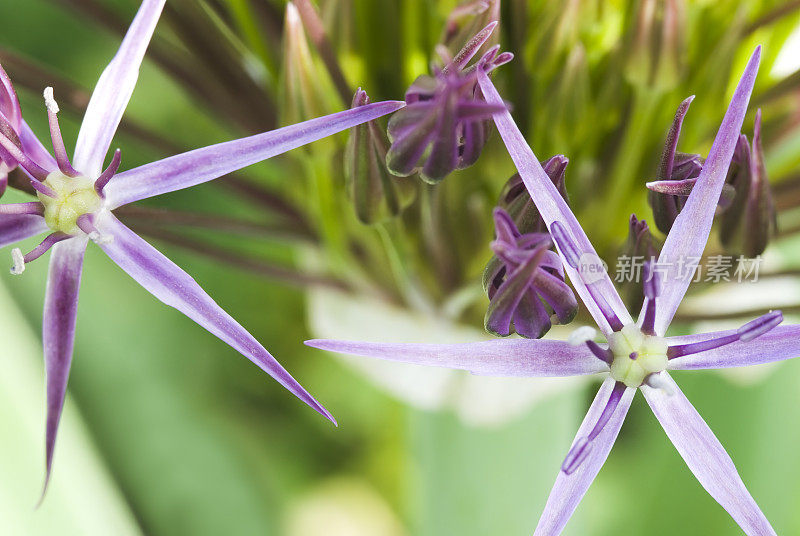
x,y
76,200
525,283
636,355
443,128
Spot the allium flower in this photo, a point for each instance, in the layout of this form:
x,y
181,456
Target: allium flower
x,y
525,283
443,128
638,355
76,200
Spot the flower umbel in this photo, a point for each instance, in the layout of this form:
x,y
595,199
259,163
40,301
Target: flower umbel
x,y
76,200
638,355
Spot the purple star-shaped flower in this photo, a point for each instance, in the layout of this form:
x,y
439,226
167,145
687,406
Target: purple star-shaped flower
x,y
638,355
76,200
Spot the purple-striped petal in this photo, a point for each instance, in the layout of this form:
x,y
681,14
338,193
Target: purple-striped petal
x,y
167,282
705,456
569,489
553,207
58,333
689,233
208,163
16,227
499,357
114,90
782,342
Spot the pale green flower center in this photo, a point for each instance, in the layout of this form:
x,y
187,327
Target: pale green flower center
x,y
75,196
636,355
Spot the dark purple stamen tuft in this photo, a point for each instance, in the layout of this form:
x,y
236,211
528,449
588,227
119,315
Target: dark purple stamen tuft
x,y
748,332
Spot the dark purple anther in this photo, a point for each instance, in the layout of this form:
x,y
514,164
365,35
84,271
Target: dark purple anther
x,y
748,332
583,446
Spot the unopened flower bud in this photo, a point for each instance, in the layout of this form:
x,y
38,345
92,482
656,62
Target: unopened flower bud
x,y
657,45
749,222
465,21
640,247
374,192
525,283
516,201
445,125
306,88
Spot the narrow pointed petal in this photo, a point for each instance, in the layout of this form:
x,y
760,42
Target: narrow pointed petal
x,y
114,90
689,233
552,207
58,333
209,163
569,489
705,456
170,284
782,342
499,357
16,227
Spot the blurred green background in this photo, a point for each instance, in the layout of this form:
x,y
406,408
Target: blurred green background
x,y
170,432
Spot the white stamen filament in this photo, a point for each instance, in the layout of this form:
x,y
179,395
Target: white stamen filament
x,y
100,239
50,101
656,381
19,261
581,335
